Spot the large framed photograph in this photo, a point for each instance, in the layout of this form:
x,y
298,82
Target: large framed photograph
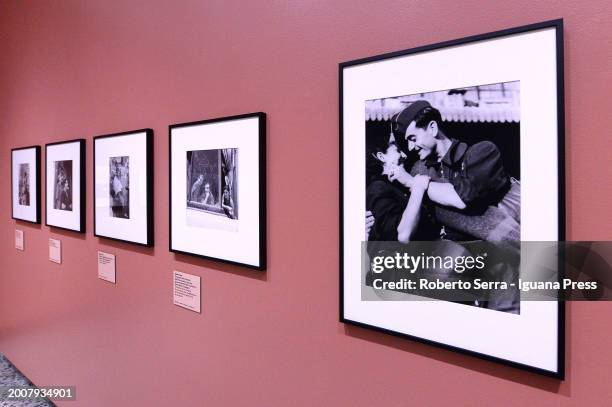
x,y
25,183
218,189
123,186
449,145
65,185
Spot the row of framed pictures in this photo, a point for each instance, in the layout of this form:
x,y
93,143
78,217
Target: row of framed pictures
x,y
504,93
217,187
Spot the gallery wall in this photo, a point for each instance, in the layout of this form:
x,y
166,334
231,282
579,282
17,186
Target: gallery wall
x,y
72,69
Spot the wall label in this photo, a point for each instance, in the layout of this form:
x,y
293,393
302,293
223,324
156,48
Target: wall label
x,y
19,239
55,250
106,267
187,291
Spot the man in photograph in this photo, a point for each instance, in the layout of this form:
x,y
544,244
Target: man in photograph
x,y
195,188
471,197
468,180
24,185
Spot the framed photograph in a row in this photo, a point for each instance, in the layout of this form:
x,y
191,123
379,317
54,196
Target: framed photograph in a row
x,y
123,186
472,153
25,184
218,189
65,185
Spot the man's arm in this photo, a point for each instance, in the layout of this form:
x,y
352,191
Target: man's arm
x,y
411,215
442,193
482,180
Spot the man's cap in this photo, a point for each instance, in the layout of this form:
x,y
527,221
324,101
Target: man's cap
x,y
400,121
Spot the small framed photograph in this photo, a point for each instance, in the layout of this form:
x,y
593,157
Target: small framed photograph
x,y
456,156
65,185
123,186
25,183
218,189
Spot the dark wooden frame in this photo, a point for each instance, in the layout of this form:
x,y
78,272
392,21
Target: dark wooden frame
x,y
558,26
150,184
83,193
262,188
37,183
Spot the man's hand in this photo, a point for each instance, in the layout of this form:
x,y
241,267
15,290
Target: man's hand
x,y
369,223
400,175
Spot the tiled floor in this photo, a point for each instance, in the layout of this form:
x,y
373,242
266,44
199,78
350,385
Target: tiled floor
x,y
11,377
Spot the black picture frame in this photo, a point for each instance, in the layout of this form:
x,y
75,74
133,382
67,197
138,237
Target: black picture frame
x,y
261,264
148,153
82,184
557,26
37,201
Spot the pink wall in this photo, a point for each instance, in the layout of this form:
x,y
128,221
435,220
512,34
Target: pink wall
x,y
74,69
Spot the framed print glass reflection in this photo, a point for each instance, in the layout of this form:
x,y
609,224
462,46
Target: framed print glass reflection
x,y
65,185
123,186
447,144
25,184
217,189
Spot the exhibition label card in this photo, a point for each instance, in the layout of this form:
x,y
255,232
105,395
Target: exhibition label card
x,y
19,239
55,251
106,267
187,291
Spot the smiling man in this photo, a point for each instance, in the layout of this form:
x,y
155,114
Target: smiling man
x,y
469,178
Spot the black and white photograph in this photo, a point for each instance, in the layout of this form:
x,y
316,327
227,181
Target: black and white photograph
x,y
62,185
211,181
445,165
119,186
454,159
25,183
217,189
123,189
65,185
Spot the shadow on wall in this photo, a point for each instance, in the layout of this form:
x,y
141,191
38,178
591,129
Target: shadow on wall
x,y
224,267
475,364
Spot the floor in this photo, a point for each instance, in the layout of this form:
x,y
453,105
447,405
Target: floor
x,y
11,377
